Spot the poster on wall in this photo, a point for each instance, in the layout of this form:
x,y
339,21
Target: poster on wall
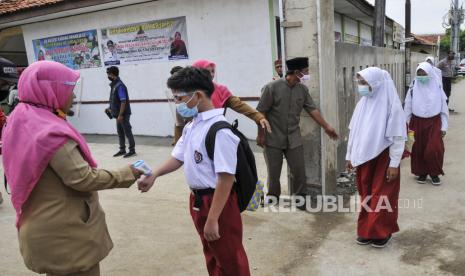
x,y
77,50
160,40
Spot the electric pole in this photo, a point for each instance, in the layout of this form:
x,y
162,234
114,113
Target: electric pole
x,y
408,78
379,23
456,18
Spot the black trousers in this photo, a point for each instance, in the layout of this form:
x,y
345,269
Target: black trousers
x,y
125,130
447,85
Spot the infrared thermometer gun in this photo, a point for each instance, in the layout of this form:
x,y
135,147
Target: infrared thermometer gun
x,y
142,166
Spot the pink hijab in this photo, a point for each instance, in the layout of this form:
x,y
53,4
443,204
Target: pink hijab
x,y
221,93
33,134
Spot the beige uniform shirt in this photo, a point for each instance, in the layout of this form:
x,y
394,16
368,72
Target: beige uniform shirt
x,y
63,228
282,106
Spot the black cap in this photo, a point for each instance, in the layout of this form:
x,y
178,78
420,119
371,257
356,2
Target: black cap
x,y
8,71
297,63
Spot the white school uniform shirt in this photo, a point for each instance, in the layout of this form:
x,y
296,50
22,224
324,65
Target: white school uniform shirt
x,y
199,170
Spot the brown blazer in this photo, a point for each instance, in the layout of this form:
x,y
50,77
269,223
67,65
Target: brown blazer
x,y
63,226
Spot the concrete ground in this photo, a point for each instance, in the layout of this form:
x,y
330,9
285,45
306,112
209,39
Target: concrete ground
x,y
154,235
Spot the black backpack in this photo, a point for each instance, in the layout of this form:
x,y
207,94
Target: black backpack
x,y
246,171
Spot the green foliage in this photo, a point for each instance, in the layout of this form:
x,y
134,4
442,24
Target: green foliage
x,y
446,41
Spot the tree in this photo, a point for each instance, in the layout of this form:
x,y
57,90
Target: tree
x,y
446,43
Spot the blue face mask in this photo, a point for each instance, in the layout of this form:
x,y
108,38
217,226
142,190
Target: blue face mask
x,y
364,90
185,111
423,79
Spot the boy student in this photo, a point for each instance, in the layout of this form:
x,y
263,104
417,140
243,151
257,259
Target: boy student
x,y
213,205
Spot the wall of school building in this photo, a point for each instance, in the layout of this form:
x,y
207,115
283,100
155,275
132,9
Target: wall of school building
x,y
350,30
236,35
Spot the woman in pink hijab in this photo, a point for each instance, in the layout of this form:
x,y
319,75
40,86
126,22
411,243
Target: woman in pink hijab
x,y
54,179
223,98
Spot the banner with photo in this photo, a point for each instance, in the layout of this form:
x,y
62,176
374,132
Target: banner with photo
x,y
160,40
76,50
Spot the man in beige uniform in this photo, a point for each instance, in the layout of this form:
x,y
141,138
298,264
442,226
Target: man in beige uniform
x,y
282,102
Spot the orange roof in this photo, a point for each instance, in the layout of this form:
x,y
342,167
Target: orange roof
x,y
14,6
432,38
421,40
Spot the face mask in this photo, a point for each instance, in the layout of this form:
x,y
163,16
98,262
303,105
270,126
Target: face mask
x,y
364,90
110,79
304,78
185,111
423,79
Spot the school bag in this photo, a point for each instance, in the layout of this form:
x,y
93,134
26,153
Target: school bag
x,y
246,171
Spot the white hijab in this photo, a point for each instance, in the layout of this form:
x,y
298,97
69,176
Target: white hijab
x,y
430,58
377,119
436,70
427,99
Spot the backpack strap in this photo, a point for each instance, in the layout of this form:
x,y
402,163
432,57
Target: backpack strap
x,y
211,136
410,89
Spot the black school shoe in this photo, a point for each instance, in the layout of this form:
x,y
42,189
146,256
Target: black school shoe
x,y
363,241
119,153
381,242
421,179
436,180
130,154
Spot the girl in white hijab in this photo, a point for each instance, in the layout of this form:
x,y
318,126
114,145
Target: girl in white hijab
x,y
437,71
427,113
377,137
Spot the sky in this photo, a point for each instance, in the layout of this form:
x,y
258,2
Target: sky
x,y
427,15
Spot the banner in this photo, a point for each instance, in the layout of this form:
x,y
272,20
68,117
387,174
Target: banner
x,y
160,40
77,50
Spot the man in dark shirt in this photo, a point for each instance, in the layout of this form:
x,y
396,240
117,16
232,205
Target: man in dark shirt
x,y
282,102
120,108
448,67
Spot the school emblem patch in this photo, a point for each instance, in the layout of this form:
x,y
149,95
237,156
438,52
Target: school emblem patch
x,y
198,157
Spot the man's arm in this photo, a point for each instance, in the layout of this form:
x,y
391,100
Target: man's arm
x,y
122,97
316,116
441,65
122,109
266,100
236,104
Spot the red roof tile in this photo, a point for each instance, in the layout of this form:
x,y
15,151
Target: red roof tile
x,y
14,6
433,38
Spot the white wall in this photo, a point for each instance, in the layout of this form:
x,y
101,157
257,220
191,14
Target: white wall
x,y
234,34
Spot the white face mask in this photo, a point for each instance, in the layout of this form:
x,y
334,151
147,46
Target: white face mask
x,y
304,78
